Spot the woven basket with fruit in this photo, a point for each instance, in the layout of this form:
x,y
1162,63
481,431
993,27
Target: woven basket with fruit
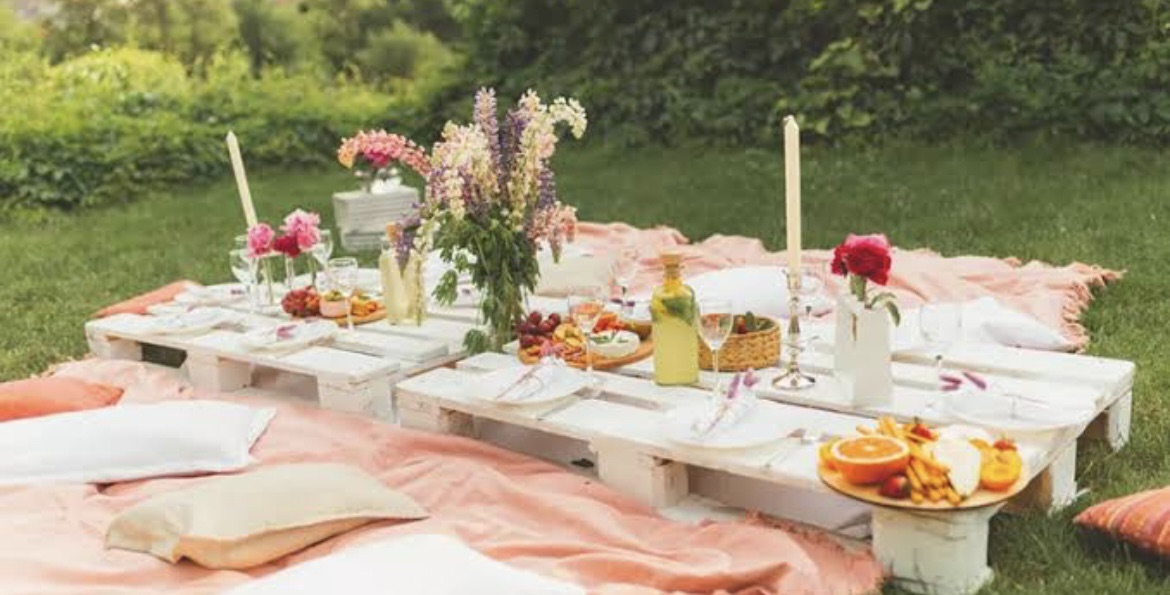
x,y
915,466
612,344
754,343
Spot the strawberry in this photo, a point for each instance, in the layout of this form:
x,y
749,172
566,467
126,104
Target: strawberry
x,y
1004,444
896,487
920,429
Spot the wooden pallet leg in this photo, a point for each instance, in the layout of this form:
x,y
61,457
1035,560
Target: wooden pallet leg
x,y
657,482
942,553
1055,487
353,397
423,414
1112,426
107,347
212,373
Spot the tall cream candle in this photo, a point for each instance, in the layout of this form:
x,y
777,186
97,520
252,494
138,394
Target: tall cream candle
x,y
792,191
241,178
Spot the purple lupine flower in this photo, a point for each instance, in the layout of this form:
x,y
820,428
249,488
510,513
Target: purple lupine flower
x,y
510,136
488,120
547,192
409,229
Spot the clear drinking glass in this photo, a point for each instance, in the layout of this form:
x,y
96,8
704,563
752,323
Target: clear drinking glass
x,y
940,325
585,308
244,268
343,274
625,268
715,321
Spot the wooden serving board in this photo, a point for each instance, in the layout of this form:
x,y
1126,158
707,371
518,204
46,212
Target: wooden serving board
x,y
869,493
644,350
379,314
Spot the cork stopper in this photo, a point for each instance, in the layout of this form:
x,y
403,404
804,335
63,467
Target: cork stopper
x,y
671,258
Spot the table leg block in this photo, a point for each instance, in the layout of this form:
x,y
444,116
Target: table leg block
x,y
941,553
1055,487
421,414
110,348
1113,425
353,397
212,373
657,482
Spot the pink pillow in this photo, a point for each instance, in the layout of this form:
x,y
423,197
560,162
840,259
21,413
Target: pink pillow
x,y
139,304
45,396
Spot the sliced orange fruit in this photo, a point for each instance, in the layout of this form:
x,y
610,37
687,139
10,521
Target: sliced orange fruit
x,y
865,460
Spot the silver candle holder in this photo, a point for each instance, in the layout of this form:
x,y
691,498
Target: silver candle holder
x,y
793,378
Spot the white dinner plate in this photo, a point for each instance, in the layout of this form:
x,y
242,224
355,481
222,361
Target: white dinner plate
x,y
757,427
194,321
289,336
551,382
994,409
212,295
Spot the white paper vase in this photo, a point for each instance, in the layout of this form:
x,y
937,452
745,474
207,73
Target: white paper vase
x,y
861,362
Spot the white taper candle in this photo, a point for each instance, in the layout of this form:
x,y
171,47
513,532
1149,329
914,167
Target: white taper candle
x,y
792,191
241,178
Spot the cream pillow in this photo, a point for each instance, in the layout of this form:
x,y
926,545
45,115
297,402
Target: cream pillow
x,y
246,520
574,273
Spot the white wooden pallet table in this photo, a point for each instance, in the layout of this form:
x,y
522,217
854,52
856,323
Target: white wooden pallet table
x,y
940,552
353,372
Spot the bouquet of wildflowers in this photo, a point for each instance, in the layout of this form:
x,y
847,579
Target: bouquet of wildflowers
x,y
491,193
371,154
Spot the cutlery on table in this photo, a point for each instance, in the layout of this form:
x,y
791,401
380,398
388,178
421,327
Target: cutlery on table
x,y
801,437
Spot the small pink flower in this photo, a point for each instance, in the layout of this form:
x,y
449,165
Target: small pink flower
x,y
303,226
260,237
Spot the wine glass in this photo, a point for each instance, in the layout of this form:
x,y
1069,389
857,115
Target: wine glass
x,y
940,325
810,287
244,269
585,308
343,273
715,321
625,268
322,250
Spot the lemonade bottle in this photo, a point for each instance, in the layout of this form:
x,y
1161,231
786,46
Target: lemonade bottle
x,y
394,291
676,340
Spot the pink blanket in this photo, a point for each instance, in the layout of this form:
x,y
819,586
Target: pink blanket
x,y
1056,296
513,508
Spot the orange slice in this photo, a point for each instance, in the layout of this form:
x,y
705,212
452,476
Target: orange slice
x,y
865,460
826,455
1001,471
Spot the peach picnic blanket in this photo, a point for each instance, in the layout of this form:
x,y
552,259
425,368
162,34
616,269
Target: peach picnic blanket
x,y
512,508
1056,296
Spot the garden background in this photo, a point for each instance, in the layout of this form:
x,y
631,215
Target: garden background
x,y
1029,128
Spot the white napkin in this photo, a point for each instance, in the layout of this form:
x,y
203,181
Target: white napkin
x,y
724,414
212,295
985,320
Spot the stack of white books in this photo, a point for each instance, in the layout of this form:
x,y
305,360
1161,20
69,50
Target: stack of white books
x,y
362,217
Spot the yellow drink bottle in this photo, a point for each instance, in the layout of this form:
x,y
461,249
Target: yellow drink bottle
x,y
676,334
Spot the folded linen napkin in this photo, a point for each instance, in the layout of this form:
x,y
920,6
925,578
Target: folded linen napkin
x,y
140,303
732,407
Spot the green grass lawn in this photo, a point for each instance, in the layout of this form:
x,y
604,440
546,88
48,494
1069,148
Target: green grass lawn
x,y
1055,203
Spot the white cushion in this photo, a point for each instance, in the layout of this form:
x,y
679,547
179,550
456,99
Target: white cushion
x,y
415,564
985,320
130,442
761,290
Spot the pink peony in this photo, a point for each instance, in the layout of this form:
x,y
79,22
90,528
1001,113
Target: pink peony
x,y
260,238
303,226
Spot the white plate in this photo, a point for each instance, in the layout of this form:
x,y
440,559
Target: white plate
x,y
550,383
623,344
195,321
289,336
213,295
167,309
757,427
993,409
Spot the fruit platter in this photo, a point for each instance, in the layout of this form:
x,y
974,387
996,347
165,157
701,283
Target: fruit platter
x,y
916,466
612,345
307,303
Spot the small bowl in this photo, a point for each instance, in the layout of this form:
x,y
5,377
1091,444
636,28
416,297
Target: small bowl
x,y
624,343
333,308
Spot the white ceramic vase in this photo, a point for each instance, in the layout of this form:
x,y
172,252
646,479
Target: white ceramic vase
x,y
861,362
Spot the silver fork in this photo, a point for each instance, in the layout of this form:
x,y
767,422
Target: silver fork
x,y
803,438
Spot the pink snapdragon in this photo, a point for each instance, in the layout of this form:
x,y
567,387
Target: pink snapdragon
x,y
260,237
378,149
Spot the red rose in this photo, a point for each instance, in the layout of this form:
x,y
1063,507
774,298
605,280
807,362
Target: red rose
x,y
868,256
287,245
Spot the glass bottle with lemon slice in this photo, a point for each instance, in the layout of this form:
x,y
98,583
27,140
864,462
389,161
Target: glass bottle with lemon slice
x,y
676,336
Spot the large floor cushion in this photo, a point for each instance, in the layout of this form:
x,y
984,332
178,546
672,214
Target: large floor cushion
x,y
1140,519
35,397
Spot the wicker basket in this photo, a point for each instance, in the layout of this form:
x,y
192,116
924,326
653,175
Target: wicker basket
x,y
756,350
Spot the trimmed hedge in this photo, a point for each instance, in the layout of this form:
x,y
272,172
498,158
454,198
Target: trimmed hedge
x,y
726,71
110,125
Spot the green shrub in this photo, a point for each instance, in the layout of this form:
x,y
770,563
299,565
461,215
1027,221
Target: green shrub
x,y
113,124
727,71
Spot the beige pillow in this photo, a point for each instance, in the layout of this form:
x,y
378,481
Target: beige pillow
x,y
574,274
242,521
